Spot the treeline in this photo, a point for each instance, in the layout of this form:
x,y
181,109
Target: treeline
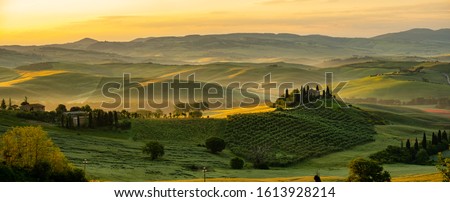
x,y
414,153
85,116
49,117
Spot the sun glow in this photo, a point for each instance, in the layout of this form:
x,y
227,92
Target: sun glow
x,y
53,21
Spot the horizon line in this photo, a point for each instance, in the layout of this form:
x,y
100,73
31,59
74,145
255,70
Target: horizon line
x,y
228,33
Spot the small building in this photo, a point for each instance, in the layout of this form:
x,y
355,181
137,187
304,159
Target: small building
x,y
77,118
32,107
314,93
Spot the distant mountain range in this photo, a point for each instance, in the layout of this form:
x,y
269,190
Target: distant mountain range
x,y
238,47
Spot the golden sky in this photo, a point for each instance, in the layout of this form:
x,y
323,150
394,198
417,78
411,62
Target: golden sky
x,y
58,21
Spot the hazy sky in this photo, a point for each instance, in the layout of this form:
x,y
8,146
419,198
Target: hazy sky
x,y
57,21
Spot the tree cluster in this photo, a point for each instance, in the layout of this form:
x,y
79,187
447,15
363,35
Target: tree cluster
x,y
363,170
304,95
417,153
192,110
96,118
30,155
9,106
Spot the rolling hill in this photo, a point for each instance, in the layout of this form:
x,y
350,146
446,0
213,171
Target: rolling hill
x,y
77,83
237,47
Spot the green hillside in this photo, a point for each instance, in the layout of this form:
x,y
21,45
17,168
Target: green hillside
x,y
7,74
117,155
294,135
380,79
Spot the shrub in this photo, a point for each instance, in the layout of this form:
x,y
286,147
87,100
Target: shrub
x,y
154,149
237,163
392,154
422,157
215,144
362,170
125,125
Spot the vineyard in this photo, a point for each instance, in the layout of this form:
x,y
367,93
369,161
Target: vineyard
x,y
178,130
290,136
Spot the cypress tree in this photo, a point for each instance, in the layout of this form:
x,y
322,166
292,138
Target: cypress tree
x,y
439,137
110,119
3,105
69,122
91,120
304,95
78,121
424,141
328,92
286,94
99,118
317,87
434,139
116,119
408,145
444,136
416,145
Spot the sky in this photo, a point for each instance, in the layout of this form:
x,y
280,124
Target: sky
x,y
27,22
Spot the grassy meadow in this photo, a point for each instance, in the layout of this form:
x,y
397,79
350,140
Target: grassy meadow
x,y
308,141
117,155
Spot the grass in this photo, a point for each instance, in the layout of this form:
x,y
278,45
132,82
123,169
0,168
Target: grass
x,y
115,156
85,80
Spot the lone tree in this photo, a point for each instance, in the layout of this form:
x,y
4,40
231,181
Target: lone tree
x,y
154,149
215,144
363,170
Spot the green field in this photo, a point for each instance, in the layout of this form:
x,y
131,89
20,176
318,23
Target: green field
x,y
304,141
371,79
117,155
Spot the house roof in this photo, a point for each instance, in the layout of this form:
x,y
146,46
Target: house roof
x,y
76,113
36,105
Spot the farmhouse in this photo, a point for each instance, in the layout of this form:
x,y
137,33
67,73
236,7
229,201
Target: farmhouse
x,y
314,93
32,107
78,118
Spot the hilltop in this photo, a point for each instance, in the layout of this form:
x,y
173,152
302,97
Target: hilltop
x,y
236,47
